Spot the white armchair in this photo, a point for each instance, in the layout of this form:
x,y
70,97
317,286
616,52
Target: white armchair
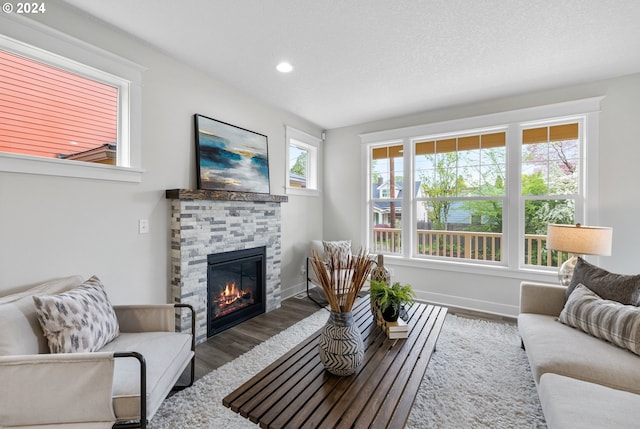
x,y
314,290
120,385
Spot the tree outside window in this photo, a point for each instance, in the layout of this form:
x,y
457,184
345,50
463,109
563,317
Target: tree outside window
x,y
462,191
448,191
303,163
550,185
386,194
298,173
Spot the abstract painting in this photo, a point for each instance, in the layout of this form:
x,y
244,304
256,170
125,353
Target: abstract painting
x,y
230,158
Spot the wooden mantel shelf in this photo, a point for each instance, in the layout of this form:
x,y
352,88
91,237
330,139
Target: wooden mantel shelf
x,y
204,194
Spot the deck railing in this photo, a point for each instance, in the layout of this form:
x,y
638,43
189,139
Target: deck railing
x,y
484,246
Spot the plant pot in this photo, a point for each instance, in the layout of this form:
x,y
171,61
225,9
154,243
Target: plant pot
x,y
389,315
340,344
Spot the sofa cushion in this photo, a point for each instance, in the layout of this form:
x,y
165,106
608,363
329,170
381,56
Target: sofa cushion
x,y
609,320
615,287
571,403
79,320
166,355
556,348
20,332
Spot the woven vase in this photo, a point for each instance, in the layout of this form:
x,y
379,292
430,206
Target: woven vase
x,y
340,344
380,273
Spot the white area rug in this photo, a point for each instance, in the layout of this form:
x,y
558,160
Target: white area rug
x,y
479,377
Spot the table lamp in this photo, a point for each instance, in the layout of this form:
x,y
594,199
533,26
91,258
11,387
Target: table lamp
x,y
577,240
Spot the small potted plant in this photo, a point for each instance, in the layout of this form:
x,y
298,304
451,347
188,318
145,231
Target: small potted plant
x,y
391,298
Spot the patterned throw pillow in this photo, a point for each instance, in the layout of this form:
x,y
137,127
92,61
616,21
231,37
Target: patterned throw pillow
x,y
609,320
341,249
79,320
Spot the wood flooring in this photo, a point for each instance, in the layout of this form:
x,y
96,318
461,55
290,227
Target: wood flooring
x,y
230,344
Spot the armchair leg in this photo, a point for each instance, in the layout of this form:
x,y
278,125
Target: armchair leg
x,y
129,425
142,423
193,347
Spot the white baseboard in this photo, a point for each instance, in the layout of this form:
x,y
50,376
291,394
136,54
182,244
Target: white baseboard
x,y
436,298
293,290
469,304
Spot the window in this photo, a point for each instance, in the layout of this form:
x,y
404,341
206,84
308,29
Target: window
x,y
53,113
460,195
303,158
387,186
482,195
551,159
66,108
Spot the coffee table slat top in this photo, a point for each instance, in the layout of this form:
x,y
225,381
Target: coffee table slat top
x,y
296,391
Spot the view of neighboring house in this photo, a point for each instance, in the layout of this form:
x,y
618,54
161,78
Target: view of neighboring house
x,y
388,213
55,113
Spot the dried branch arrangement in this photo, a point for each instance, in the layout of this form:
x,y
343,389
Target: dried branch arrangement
x,y
341,279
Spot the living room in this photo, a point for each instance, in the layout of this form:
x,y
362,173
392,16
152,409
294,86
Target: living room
x,y
55,225
62,225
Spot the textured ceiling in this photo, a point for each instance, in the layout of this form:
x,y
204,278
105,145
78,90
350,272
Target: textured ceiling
x,y
363,60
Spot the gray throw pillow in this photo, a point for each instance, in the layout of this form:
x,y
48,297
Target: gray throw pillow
x,y
624,289
609,320
79,320
341,250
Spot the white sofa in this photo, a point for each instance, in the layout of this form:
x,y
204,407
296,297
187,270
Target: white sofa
x,y
583,381
100,389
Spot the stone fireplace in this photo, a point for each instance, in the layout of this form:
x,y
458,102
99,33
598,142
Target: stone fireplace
x,y
235,287
206,223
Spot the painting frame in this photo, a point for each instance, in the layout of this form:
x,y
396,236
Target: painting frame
x,y
230,158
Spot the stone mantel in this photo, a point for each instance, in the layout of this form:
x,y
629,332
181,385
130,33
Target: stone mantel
x,y
204,194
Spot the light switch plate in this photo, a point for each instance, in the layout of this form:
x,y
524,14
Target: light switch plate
x,y
143,226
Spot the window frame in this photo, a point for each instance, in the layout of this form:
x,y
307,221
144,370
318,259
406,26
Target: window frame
x,y
579,197
312,144
34,40
513,216
389,199
457,198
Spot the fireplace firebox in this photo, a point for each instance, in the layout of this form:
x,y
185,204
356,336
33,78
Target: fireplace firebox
x,y
235,287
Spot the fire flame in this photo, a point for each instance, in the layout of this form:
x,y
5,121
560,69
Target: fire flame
x,y
231,298
230,293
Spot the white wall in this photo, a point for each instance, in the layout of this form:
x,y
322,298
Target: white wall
x,y
55,226
619,204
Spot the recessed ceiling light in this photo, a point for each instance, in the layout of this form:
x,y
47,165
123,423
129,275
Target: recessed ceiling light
x,y
284,67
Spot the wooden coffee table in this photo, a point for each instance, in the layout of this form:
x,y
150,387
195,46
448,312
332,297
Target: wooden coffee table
x,y
297,392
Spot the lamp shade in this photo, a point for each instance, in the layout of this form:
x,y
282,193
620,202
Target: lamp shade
x,y
578,239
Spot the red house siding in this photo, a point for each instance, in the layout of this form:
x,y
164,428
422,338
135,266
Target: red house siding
x,y
49,112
